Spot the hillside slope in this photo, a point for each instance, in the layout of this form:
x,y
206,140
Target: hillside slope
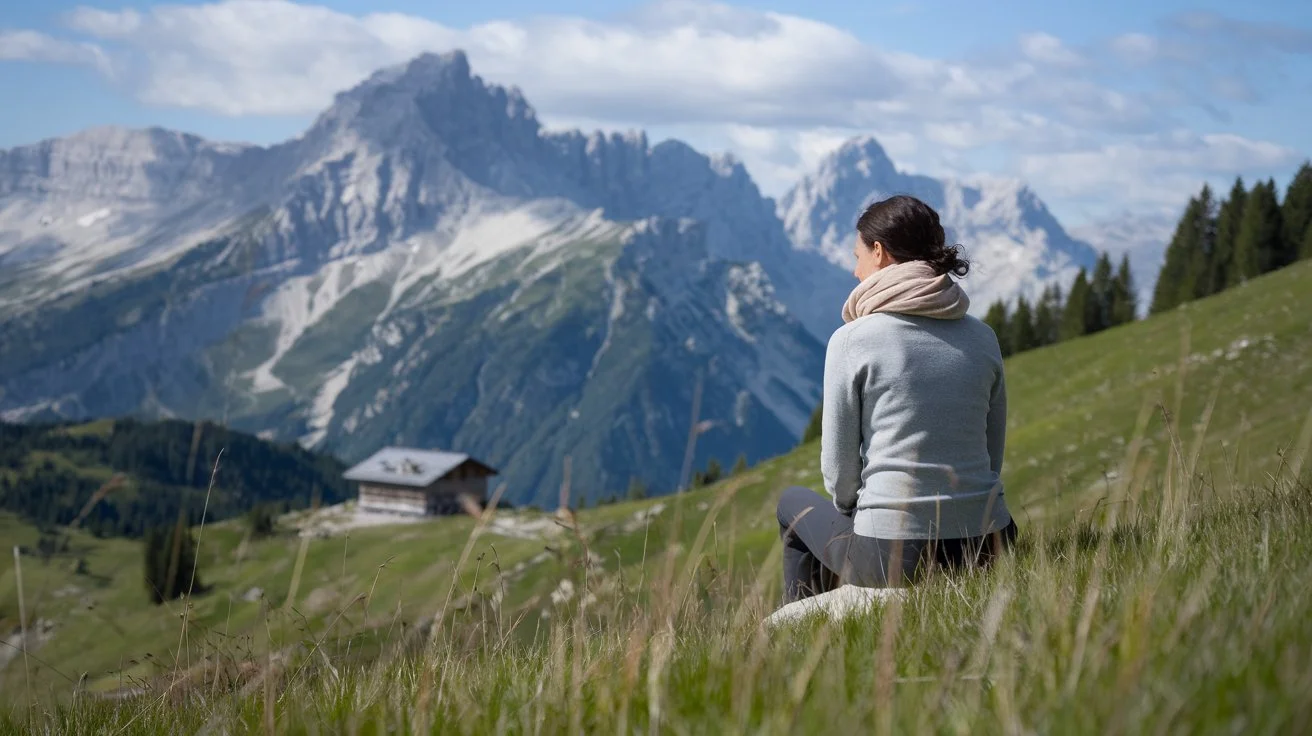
x,y
119,478
1232,372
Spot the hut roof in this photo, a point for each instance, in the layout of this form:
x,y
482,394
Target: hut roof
x,y
404,466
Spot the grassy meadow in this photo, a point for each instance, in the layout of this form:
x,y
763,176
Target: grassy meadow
x,y
1157,472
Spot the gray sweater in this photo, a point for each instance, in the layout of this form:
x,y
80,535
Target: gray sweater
x,y
913,428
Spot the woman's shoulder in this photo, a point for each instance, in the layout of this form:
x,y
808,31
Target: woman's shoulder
x,y
893,322
861,327
886,329
984,335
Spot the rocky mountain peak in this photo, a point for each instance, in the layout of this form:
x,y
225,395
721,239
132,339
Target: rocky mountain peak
x,y
432,102
862,156
1003,224
426,73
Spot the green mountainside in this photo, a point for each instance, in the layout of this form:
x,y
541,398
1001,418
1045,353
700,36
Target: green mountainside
x,y
120,478
581,343
1190,412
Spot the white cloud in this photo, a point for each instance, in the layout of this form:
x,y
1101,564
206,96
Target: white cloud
x,y
779,90
1046,48
1154,171
104,23
674,62
686,61
34,46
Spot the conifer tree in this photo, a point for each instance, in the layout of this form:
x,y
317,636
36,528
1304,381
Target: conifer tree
x,y
1296,214
1258,245
637,489
1098,308
1125,303
1047,315
1021,325
169,556
996,318
1186,244
713,471
1073,316
1058,305
1221,264
739,465
710,476
1199,269
1306,250
260,520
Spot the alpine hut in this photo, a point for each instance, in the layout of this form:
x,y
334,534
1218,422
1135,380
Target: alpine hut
x,y
401,480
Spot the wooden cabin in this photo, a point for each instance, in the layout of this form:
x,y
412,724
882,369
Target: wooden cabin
x,y
410,482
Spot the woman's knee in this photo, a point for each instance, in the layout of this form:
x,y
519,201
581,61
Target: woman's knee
x,y
793,501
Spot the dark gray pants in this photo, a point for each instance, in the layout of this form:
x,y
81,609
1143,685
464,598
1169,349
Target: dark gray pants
x,y
822,552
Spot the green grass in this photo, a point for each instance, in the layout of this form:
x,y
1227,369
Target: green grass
x,y
1167,534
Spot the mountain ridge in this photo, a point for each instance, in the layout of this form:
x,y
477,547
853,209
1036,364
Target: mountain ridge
x,y
425,278
1017,244
360,284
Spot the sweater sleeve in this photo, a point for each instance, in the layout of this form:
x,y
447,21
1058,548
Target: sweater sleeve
x,y
996,429
840,427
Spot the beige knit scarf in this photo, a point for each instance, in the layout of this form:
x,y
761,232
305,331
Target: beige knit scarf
x,y
910,287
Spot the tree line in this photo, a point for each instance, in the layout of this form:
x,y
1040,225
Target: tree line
x,y
55,473
1096,302
1221,244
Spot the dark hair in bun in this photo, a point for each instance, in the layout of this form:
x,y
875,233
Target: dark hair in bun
x,y
910,231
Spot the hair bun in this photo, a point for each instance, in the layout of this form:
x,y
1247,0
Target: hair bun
x,y
909,230
948,259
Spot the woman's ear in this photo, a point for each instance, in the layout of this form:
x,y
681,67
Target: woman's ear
x,y
882,257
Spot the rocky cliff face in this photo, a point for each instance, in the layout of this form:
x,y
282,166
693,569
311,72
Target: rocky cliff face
x,y
424,266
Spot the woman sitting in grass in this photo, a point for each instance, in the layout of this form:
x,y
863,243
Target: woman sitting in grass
x,y
913,421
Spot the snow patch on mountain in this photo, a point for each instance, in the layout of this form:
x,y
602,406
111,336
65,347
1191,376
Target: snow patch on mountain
x,y
618,290
300,302
444,261
321,407
749,287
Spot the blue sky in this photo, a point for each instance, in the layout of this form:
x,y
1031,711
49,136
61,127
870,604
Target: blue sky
x,y
1103,107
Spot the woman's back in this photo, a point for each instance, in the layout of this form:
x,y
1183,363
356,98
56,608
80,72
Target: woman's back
x,y
914,420
914,426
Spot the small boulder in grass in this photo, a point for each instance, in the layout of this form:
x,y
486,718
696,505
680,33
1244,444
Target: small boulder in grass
x,y
844,601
